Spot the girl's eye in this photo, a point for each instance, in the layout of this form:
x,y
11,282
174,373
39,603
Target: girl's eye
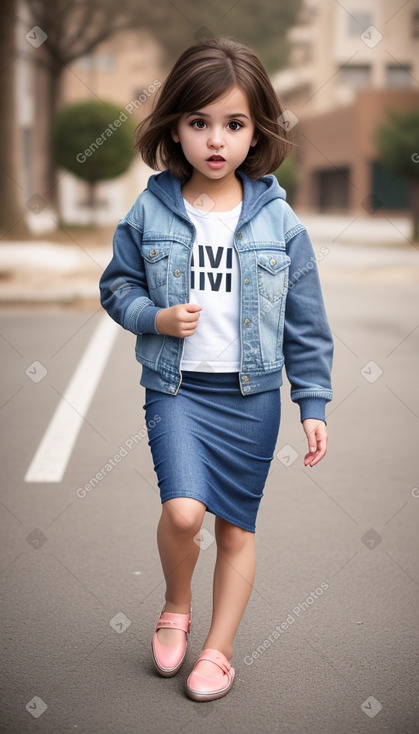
x,y
233,125
199,124
236,125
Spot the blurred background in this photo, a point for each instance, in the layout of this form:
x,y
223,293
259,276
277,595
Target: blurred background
x,y
80,567
75,72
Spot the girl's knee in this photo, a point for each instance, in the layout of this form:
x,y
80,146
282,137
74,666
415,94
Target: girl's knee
x,y
231,538
184,514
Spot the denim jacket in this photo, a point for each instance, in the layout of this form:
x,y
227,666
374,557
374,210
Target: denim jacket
x,y
282,315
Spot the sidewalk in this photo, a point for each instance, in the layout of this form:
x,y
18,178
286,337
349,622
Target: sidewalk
x,y
354,248
46,272
372,230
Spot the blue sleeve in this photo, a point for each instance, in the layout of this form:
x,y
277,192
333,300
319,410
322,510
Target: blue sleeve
x,y
123,285
308,343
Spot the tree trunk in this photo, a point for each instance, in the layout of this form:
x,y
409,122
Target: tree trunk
x,y
12,221
53,101
93,202
414,206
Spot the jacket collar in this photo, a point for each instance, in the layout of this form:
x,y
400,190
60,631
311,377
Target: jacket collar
x,y
168,188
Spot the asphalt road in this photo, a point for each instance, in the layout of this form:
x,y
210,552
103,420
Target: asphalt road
x,y
337,545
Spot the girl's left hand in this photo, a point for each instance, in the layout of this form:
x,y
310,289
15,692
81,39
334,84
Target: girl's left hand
x,y
316,433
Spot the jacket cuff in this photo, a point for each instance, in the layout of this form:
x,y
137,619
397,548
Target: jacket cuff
x,y
313,408
146,320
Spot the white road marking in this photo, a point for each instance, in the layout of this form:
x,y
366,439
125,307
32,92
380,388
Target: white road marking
x,y
54,451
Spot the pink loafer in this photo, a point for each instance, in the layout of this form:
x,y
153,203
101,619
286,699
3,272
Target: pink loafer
x,y
205,688
168,659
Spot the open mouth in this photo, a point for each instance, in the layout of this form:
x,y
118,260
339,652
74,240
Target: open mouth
x,y
216,158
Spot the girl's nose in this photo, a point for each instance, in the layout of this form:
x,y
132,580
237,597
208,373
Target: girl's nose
x,y
216,138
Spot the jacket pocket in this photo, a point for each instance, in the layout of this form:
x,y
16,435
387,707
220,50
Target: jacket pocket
x,y
156,259
273,270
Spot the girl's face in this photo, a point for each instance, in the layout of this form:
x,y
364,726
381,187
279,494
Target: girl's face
x,y
216,138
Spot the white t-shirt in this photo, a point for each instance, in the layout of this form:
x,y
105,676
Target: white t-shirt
x,y
215,285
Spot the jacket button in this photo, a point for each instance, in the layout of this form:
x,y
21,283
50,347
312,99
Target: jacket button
x,y
247,281
153,253
272,262
246,378
239,235
246,322
176,273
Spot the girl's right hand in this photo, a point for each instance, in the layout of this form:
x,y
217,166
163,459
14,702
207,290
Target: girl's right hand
x,y
180,321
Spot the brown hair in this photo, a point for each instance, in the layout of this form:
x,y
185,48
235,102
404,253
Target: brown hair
x,y
204,72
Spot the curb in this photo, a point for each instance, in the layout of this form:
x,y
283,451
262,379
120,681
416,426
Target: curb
x,y
40,297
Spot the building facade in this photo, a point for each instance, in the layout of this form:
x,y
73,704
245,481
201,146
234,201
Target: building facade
x,y
351,64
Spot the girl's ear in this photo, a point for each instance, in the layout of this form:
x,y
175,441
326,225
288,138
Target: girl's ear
x,y
254,140
174,135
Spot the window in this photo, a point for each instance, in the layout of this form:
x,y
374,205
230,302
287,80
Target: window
x,y
333,190
84,63
388,190
100,62
399,76
357,22
105,62
355,76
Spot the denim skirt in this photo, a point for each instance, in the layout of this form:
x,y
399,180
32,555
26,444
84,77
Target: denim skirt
x,y
213,444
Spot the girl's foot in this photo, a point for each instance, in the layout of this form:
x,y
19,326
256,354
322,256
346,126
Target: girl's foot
x,y
171,636
169,652
211,677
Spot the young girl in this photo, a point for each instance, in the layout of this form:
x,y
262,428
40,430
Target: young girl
x,y
217,277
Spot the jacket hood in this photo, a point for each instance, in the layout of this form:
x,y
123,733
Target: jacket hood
x,y
168,188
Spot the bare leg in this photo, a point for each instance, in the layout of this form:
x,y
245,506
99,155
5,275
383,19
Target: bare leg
x,y
233,582
180,521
